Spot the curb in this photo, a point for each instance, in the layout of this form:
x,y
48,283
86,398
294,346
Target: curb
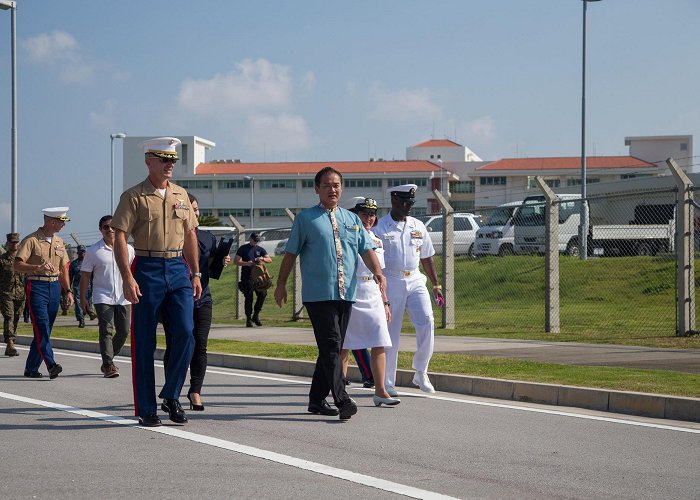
x,y
629,403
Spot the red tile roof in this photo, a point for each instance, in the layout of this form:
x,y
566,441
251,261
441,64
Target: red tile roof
x,y
438,143
568,162
305,168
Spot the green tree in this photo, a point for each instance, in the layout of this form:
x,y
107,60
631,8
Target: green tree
x,y
209,220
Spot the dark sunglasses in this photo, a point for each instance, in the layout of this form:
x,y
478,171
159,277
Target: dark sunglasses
x,y
408,202
168,160
107,227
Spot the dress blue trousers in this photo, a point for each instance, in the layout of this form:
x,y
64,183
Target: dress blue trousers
x,y
165,289
43,298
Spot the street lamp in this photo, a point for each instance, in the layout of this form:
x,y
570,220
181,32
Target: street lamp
x,y
119,135
583,227
250,180
12,5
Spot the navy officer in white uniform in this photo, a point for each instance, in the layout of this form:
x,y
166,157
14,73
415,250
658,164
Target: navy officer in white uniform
x,y
406,245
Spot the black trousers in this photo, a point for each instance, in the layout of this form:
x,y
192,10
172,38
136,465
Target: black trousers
x,y
329,319
198,364
248,303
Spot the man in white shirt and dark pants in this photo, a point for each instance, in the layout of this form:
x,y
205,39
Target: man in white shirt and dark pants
x,y
113,310
406,245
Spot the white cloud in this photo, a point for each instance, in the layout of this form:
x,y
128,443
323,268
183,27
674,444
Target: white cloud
x,y
51,47
104,118
253,86
284,132
403,106
481,130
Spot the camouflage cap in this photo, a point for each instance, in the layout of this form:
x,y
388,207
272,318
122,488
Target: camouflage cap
x,y
13,237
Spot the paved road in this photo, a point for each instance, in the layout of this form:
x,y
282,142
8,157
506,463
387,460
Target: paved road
x,y
74,437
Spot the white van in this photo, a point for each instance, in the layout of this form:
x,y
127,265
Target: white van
x,y
495,237
529,234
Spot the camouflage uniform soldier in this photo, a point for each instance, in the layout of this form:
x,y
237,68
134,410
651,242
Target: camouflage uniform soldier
x,y
11,294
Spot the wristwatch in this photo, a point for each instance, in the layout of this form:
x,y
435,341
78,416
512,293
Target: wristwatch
x,y
387,303
198,275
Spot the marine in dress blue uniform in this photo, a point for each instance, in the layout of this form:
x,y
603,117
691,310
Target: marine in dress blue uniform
x,y
43,257
163,278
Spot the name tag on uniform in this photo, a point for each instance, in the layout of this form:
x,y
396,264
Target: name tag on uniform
x,y
388,237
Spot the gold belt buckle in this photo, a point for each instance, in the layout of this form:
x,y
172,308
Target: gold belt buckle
x,y
367,278
406,274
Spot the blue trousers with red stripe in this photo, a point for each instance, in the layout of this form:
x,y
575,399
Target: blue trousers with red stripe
x,y
165,288
43,298
362,359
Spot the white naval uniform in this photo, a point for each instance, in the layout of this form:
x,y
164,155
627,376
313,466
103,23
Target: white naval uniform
x,y
367,326
405,244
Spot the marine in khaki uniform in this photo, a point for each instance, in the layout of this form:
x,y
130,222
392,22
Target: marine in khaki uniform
x,y
11,294
43,257
163,278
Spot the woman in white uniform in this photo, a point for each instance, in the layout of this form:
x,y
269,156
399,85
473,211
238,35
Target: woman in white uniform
x,y
370,312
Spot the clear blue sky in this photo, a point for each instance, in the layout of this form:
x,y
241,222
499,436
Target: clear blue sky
x,y
323,80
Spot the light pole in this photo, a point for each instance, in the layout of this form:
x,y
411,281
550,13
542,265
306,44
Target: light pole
x,y
442,172
119,135
583,227
250,180
12,5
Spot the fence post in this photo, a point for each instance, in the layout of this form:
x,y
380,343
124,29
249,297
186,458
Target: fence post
x,y
297,305
240,313
448,261
551,289
685,251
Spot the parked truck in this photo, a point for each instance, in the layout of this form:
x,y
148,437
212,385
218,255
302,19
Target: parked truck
x,y
651,231
495,237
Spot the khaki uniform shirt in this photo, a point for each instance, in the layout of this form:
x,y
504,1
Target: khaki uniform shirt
x,y
155,223
11,282
36,249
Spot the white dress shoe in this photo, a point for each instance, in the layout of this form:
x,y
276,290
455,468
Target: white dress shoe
x,y
391,390
421,380
378,401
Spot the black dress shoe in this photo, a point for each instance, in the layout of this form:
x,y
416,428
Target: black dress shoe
x,y
347,409
29,374
54,371
151,420
322,408
174,410
256,320
249,324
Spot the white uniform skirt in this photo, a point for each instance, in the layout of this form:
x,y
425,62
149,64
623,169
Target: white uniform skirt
x,y
367,326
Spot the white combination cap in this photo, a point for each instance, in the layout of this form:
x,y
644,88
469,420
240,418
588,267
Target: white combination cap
x,y
162,147
57,213
403,191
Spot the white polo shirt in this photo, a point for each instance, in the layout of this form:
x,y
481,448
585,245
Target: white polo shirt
x,y
107,284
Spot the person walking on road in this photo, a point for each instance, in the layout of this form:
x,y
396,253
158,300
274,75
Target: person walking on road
x,y
202,314
406,245
370,312
75,277
158,215
247,256
99,267
328,239
43,257
12,295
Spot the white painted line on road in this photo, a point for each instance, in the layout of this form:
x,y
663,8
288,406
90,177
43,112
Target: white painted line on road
x,y
299,463
613,420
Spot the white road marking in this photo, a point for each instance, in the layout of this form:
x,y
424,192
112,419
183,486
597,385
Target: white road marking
x,y
600,418
299,463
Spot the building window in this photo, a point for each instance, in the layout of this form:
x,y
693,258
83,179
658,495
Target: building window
x,y
183,160
234,184
362,183
552,183
277,184
462,187
577,182
192,184
272,212
492,181
236,212
684,146
419,210
462,206
205,212
634,176
399,182
307,183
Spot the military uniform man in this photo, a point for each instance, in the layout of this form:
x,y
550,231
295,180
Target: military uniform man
x,y
74,275
406,245
43,257
162,223
11,294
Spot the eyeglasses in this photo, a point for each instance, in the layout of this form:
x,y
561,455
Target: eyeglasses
x,y
107,227
168,160
408,202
